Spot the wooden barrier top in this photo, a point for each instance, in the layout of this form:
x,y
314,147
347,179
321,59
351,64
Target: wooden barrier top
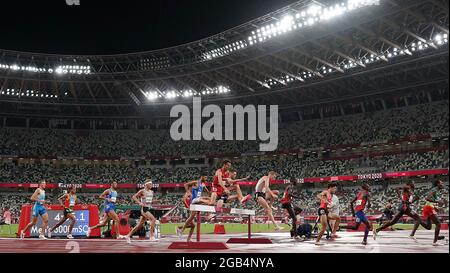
x,y
203,208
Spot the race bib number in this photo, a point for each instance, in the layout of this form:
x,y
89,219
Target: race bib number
x,y
411,199
113,199
72,203
358,202
148,200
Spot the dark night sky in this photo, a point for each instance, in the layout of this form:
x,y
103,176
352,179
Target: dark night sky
x,y
119,26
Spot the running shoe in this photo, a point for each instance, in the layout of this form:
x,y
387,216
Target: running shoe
x,y
438,244
279,228
49,234
413,238
88,233
179,233
375,234
42,237
22,234
128,238
70,236
319,243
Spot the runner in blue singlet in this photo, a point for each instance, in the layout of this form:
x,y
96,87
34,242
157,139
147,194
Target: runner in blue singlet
x,y
110,197
38,210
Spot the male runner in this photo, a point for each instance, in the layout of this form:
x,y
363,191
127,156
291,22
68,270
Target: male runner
x,y
194,190
326,199
38,198
68,200
407,196
361,200
219,189
334,211
232,184
186,201
110,197
260,196
433,199
144,198
286,203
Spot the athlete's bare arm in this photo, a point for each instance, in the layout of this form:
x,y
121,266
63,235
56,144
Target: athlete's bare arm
x,y
369,204
430,198
137,196
237,180
64,197
104,194
352,206
188,185
35,195
290,191
398,190
323,196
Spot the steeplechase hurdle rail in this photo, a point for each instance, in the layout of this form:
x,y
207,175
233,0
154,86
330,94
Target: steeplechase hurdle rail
x,y
198,209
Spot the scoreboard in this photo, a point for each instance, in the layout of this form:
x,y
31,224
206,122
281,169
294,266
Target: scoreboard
x,y
86,216
54,216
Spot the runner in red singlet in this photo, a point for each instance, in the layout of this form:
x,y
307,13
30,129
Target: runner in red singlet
x,y
325,202
408,198
219,190
361,200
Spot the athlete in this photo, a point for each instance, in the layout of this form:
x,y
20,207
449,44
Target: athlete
x,y
68,200
186,201
232,184
262,188
38,210
362,200
430,212
219,188
144,198
110,197
194,190
326,199
286,203
334,211
406,194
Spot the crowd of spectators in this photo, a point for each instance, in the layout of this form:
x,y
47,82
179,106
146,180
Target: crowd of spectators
x,y
286,166
373,126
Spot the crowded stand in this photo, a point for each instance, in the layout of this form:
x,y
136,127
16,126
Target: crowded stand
x,y
389,124
287,167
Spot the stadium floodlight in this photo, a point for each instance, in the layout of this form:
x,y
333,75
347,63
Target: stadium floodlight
x,y
150,95
171,95
59,70
287,23
314,10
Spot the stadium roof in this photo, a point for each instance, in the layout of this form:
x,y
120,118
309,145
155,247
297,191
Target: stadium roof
x,y
306,53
